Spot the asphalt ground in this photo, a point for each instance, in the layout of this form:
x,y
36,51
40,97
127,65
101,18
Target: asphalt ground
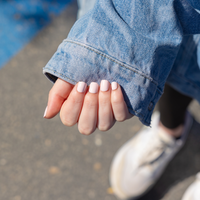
x,y
44,160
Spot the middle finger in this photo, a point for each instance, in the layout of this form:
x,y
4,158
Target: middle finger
x,y
88,118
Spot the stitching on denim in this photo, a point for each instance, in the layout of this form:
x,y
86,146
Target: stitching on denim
x,y
108,57
54,71
117,62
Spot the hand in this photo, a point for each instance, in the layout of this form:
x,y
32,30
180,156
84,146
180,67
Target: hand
x,y
91,107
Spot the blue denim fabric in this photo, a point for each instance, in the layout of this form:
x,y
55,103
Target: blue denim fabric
x,y
185,73
84,7
132,42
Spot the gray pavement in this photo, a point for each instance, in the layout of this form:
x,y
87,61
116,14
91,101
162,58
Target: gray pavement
x,y
44,160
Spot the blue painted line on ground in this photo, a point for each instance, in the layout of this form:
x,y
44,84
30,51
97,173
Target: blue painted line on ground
x,y
21,20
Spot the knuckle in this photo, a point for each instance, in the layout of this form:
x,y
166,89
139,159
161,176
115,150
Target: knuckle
x,y
103,102
89,104
67,121
75,100
120,118
105,124
51,93
104,127
117,101
86,130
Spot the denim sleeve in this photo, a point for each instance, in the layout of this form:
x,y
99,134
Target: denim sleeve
x,y
132,42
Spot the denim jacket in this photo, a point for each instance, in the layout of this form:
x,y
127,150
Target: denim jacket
x,y
132,42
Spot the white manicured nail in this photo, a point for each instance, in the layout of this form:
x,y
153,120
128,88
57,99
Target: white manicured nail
x,y
114,85
93,87
81,87
45,112
104,85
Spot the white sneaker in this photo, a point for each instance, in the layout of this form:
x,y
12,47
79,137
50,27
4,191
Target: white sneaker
x,y
140,162
193,192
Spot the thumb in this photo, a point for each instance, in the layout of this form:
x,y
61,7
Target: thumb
x,y
57,95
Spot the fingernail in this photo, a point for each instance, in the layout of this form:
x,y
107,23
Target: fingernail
x,y
114,85
93,87
104,85
81,87
45,112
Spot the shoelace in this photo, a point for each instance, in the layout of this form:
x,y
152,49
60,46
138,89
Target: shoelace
x,y
155,152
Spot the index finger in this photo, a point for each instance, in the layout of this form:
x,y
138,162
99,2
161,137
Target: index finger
x,y
57,95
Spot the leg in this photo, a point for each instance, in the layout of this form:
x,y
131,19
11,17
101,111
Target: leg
x,y
141,161
172,107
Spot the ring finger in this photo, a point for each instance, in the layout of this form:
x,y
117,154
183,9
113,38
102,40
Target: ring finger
x,y
106,119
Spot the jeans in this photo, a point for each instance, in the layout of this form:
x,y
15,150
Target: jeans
x,y
136,43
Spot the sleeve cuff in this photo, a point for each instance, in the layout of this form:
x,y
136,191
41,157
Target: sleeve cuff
x,y
74,62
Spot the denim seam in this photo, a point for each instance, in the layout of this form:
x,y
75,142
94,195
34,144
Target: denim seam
x,y
76,82
113,60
